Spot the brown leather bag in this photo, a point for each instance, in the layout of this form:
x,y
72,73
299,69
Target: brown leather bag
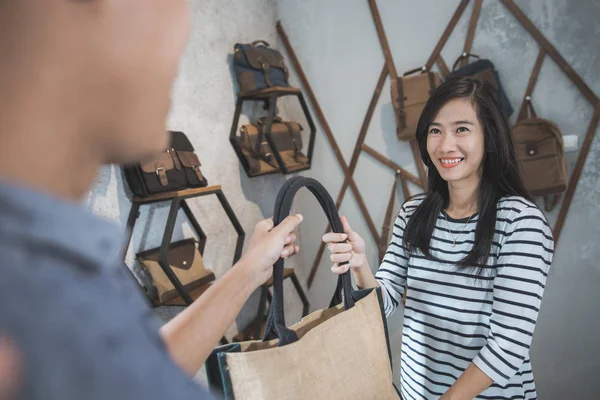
x,y
409,96
540,150
186,262
287,136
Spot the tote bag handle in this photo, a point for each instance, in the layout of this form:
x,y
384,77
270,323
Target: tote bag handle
x,y
276,327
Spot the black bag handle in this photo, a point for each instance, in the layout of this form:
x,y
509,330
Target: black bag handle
x,y
276,327
463,55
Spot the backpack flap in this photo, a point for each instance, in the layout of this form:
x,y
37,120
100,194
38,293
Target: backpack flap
x,y
191,164
159,165
187,264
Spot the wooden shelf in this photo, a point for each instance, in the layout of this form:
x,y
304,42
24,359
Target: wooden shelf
x,y
178,193
265,93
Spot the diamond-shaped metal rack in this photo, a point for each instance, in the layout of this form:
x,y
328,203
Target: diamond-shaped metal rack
x,y
402,176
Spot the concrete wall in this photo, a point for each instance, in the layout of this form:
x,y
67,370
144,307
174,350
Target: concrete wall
x,y
337,45
203,106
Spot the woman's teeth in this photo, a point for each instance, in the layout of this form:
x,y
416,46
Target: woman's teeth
x,y
450,160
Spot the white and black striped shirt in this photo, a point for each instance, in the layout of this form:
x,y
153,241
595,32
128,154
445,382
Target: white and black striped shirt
x,y
452,319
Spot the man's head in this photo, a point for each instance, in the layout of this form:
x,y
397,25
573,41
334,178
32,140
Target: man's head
x,y
105,66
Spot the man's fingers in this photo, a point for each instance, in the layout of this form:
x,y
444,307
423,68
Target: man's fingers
x,y
290,238
290,223
332,237
346,225
265,225
289,251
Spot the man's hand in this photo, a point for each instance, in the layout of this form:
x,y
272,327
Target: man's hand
x,y
268,244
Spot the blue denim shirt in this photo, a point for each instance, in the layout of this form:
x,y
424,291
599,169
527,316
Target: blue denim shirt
x,y
80,322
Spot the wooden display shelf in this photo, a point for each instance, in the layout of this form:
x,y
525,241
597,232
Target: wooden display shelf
x,y
179,193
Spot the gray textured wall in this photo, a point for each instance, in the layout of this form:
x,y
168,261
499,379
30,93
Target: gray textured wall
x,y
337,45
338,48
203,106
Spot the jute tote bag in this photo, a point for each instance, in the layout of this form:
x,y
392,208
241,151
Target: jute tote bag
x,y
341,352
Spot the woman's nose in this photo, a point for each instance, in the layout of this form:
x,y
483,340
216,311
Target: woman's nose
x,y
448,143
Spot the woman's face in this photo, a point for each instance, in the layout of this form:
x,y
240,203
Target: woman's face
x,y
455,142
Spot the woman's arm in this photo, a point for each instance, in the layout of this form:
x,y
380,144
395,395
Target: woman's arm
x,y
192,335
471,382
391,275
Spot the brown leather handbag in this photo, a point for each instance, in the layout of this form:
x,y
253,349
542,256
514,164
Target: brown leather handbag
x,y
540,150
287,137
185,260
409,96
175,168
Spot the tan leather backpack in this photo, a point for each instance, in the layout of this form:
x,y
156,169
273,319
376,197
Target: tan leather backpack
x,y
409,96
540,150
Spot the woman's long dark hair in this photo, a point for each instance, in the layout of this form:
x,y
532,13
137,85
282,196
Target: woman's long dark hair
x,y
500,171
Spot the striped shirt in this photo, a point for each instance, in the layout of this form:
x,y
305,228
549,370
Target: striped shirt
x,y
452,319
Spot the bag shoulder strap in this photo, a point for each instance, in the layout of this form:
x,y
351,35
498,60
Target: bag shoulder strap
x,y
463,55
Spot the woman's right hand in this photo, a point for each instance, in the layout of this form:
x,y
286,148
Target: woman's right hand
x,y
345,247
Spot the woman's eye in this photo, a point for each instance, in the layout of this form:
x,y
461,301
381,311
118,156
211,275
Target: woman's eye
x,y
462,129
434,131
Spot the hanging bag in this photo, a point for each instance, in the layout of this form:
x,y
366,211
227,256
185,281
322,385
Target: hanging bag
x,y
287,137
175,168
258,66
409,99
540,150
482,69
341,352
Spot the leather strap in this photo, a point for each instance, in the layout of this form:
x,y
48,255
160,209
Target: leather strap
x,y
463,56
176,161
198,173
263,42
291,133
401,112
431,77
162,176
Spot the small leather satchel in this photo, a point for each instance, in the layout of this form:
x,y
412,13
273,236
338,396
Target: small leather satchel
x,y
175,168
186,262
258,66
409,96
540,150
483,69
287,137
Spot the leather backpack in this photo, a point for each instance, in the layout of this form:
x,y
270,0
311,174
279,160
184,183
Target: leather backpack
x,y
258,66
175,168
409,96
482,69
287,137
540,150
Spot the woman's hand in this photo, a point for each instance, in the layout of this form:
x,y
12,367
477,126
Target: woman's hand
x,y
268,244
346,247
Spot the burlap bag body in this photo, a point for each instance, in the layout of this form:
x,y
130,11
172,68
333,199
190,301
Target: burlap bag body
x,y
341,352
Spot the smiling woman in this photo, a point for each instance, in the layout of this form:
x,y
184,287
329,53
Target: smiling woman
x,y
472,256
